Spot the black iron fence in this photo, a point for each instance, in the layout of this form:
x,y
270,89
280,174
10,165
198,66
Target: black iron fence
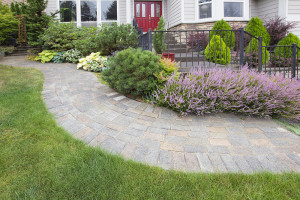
x,y
222,48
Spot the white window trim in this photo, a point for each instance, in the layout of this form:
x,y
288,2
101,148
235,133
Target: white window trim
x,y
218,12
99,21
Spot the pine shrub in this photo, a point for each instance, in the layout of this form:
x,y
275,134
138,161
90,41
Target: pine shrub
x,y
227,36
256,27
252,53
132,71
159,37
217,51
287,51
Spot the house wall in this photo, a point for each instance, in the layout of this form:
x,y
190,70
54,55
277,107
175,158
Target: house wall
x,y
293,14
266,9
189,10
52,6
173,10
8,2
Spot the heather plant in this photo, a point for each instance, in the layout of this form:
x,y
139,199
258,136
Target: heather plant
x,y
217,51
278,28
252,53
246,92
132,71
256,27
72,56
227,36
198,41
287,51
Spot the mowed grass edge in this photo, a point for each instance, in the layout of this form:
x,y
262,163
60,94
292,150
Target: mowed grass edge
x,y
40,160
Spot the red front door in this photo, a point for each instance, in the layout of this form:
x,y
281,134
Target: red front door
x,y
147,14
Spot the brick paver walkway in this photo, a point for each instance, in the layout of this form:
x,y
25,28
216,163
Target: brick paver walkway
x,y
101,117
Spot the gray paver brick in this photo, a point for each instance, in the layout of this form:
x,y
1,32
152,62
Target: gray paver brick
x,y
83,108
195,148
242,164
229,163
204,162
217,162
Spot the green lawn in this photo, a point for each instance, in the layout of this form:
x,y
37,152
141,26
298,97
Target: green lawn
x,y
39,160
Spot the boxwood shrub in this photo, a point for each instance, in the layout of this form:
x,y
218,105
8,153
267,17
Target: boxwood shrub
x,y
288,40
252,52
132,71
227,36
217,51
256,27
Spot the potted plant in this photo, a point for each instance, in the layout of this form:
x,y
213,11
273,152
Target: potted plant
x,y
159,41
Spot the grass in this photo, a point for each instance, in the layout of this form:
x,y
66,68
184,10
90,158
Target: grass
x,y
100,78
40,160
289,125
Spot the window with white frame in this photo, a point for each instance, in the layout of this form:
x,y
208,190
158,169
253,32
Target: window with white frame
x,y
205,9
109,10
233,8
68,12
89,12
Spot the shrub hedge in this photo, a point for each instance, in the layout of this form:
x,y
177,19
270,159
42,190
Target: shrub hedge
x,y
288,40
256,27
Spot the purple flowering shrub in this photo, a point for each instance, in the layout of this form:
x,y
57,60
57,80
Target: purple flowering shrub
x,y
223,90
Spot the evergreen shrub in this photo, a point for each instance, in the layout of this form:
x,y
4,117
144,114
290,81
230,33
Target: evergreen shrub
x,y
217,51
132,71
287,51
252,52
256,27
114,37
59,36
159,37
8,23
86,41
227,36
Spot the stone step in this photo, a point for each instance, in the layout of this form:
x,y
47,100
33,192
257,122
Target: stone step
x,y
189,57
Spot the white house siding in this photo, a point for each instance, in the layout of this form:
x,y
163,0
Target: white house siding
x,y
174,12
189,10
267,9
52,6
293,14
253,8
122,11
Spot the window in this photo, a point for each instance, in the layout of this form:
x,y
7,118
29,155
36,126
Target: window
x,y
157,10
88,10
205,10
138,10
109,10
233,9
68,13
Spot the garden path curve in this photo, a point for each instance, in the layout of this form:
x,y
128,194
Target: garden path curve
x,y
101,117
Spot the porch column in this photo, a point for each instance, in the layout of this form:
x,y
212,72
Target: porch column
x,y
128,11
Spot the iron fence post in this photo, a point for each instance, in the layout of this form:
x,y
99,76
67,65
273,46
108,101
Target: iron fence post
x,y
241,46
294,55
141,37
150,39
260,53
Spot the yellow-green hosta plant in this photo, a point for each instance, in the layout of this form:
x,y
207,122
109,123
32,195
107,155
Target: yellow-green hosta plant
x,y
46,56
94,62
